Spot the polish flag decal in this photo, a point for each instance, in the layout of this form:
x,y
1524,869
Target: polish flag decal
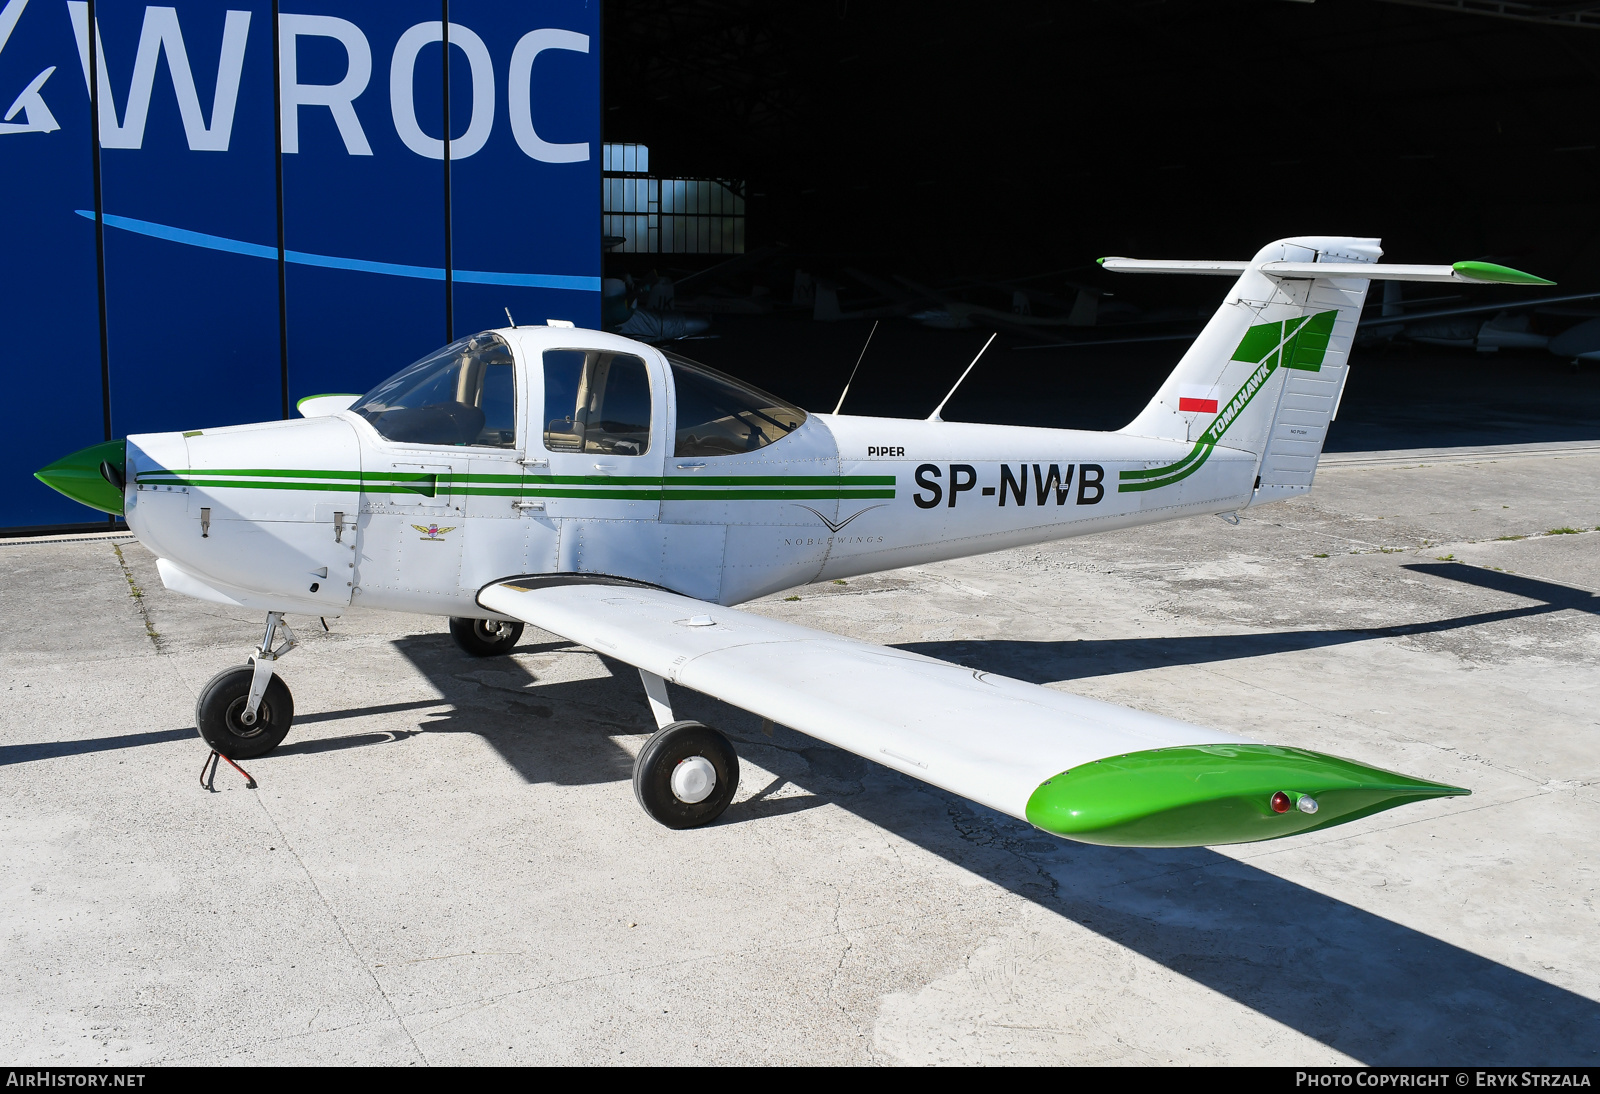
x,y
1197,399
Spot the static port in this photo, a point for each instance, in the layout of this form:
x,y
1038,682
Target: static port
x,y
1280,802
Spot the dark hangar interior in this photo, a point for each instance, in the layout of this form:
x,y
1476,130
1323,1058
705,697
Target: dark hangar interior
x,y
950,171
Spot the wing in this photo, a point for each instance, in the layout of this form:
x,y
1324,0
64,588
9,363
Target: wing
x,y
1074,766
420,528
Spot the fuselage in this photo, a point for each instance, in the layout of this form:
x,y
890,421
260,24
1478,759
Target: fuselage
x,y
314,514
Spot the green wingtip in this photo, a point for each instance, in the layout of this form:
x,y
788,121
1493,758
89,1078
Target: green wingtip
x,y
81,478
1208,795
1100,261
1500,275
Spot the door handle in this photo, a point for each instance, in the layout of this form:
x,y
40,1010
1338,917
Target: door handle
x,y
691,466
605,467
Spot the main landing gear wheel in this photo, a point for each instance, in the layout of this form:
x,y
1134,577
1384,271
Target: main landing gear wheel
x,y
484,637
220,714
685,775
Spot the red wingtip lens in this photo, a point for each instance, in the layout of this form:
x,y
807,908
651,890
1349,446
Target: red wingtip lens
x,y
1280,802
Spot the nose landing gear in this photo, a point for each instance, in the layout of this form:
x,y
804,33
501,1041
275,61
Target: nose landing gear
x,y
245,712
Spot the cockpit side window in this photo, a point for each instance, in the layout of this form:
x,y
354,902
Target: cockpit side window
x,y
721,416
463,394
596,401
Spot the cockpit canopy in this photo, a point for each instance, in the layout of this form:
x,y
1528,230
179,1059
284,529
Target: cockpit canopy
x,y
596,401
464,393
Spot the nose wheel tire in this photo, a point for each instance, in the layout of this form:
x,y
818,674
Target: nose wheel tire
x,y
484,637
686,775
219,714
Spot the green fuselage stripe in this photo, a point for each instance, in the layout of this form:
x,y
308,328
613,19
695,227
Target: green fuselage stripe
x,y
772,495
1175,473
217,474
1198,452
618,487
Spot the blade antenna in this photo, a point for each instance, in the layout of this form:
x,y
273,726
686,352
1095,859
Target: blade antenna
x,y
510,320
853,371
934,417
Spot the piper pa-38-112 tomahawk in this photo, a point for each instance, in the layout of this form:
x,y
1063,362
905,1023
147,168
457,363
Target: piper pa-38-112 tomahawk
x,y
626,498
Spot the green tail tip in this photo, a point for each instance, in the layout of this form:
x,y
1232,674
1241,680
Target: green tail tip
x,y
92,475
1500,275
1209,795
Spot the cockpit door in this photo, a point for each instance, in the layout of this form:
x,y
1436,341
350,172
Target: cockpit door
x,y
602,425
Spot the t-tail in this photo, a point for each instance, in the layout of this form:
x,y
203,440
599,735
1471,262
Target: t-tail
x,y
1267,374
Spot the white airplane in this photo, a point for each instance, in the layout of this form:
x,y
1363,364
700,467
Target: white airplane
x,y
626,498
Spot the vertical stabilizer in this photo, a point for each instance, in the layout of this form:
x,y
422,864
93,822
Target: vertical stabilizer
x,y
1266,374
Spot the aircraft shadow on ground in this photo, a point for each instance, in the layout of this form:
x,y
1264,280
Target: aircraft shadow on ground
x,y
335,744
1043,662
49,750
1355,981
1555,597
560,732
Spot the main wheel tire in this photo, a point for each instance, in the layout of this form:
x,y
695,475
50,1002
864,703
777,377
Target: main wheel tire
x,y
484,637
660,759
221,703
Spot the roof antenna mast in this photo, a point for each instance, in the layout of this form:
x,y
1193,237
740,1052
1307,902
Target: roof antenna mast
x,y
853,371
934,417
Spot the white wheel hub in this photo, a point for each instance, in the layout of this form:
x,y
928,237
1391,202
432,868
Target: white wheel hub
x,y
693,780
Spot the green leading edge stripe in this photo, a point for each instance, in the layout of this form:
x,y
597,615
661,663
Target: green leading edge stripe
x,y
1292,343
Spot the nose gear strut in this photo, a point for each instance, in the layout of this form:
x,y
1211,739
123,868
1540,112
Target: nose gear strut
x,y
263,661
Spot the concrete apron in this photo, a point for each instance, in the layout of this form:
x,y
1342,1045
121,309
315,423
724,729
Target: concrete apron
x,y
444,863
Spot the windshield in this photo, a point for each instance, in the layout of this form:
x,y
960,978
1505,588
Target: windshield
x,y
463,394
721,416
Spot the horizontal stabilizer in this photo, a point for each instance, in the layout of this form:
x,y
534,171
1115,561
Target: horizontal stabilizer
x,y
1176,266
1468,272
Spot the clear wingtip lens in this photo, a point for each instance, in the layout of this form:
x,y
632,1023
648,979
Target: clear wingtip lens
x,y
1307,804
1280,802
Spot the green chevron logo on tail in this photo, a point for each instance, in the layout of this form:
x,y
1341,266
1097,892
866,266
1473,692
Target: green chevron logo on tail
x,y
1289,343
